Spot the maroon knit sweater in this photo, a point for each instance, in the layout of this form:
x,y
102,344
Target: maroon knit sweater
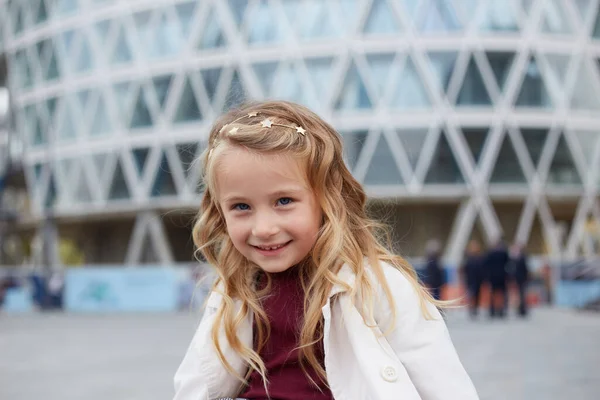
x,y
287,381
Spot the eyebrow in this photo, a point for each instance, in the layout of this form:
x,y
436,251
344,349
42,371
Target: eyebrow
x,y
277,193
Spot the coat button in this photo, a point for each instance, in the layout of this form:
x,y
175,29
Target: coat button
x,y
389,373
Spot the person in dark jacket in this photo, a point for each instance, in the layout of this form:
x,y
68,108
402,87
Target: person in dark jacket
x,y
496,262
473,275
434,277
520,275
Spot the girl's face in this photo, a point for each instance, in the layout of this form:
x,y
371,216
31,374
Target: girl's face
x,y
272,215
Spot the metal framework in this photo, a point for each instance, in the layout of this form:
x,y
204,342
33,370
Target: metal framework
x,y
464,100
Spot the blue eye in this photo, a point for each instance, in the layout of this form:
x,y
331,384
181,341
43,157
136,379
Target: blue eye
x,y
284,201
241,206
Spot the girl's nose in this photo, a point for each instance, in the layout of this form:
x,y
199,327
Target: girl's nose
x,y
265,227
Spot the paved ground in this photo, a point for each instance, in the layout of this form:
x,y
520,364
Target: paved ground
x,y
553,356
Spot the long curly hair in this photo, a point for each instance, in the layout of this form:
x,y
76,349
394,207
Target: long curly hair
x,y
347,235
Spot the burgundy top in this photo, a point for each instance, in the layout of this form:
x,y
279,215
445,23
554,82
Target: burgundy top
x,y
285,308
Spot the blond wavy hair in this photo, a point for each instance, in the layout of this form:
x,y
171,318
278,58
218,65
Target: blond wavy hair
x,y
347,235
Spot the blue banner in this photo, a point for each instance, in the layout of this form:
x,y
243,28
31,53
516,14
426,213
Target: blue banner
x,y
121,289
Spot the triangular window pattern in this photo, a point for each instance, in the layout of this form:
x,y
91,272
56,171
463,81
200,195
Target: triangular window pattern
x,y
584,96
39,133
535,140
442,66
554,18
499,15
588,142
264,26
475,138
141,117
23,69
185,12
187,156
167,40
102,29
289,86
211,78
443,167
583,6
381,19
66,6
383,169
212,36
68,130
507,168
66,38
51,105
101,164
122,53
596,31
236,94
123,95
119,189
380,66
533,91
439,16
473,91
148,253
317,21
52,71
412,140
559,65
354,141
319,70
140,156
101,124
501,63
51,193
163,185
563,169
238,9
42,12
410,93
162,87
354,93
84,59
83,96
18,21
82,192
266,72
188,109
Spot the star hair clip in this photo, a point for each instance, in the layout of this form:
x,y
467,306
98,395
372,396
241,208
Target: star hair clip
x,y
267,123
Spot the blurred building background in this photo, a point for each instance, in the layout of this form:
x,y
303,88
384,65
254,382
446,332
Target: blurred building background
x,y
462,118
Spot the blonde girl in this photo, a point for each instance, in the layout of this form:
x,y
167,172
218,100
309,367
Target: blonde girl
x,y
307,304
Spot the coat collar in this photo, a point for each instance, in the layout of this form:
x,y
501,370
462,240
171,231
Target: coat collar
x,y
347,277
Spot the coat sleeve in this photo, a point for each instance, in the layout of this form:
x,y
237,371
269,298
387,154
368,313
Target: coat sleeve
x,y
423,346
194,373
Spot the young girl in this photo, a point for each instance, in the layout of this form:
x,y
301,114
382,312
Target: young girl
x,y
307,304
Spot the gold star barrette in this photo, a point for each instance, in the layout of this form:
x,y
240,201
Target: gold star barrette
x,y
249,115
267,123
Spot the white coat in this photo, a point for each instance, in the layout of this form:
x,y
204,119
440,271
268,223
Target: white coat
x,y
416,360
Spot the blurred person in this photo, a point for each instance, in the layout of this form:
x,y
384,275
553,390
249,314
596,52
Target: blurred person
x,y
55,285
434,277
520,275
301,277
495,264
473,275
546,272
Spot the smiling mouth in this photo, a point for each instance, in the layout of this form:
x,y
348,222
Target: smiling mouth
x,y
272,247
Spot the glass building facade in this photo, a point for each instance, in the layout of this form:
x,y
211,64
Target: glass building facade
x,y
466,118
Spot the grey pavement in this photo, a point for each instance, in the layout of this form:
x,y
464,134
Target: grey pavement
x,y
554,355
